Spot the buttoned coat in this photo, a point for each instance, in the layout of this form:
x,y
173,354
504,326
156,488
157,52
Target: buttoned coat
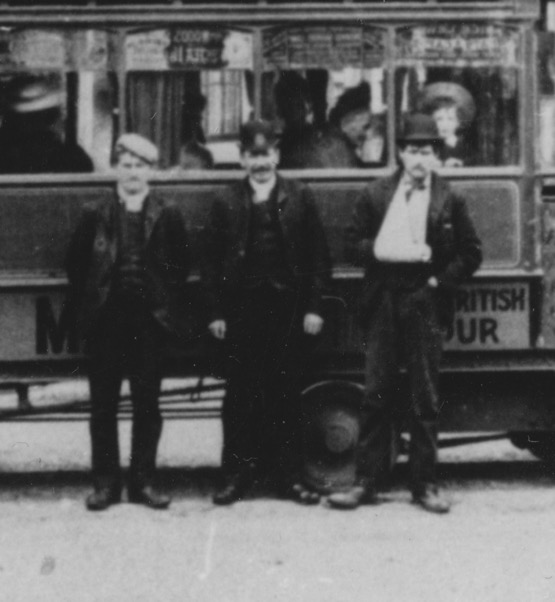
x,y
93,256
451,236
302,236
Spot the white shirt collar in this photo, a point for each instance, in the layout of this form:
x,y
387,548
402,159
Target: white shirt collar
x,y
262,190
408,182
133,202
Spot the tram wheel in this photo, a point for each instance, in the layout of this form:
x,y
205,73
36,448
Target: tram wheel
x,y
540,443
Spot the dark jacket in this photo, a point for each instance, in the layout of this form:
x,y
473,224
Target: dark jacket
x,y
334,150
456,248
306,251
93,255
42,151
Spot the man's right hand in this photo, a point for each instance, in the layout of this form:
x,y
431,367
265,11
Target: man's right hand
x,y
218,329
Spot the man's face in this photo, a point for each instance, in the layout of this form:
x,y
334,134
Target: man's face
x,y
418,160
133,173
355,126
260,164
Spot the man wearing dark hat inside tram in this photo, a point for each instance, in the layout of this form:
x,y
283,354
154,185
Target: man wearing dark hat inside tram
x,y
349,122
127,264
414,236
29,140
266,266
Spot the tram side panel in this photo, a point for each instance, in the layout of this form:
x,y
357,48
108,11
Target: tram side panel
x,y
493,311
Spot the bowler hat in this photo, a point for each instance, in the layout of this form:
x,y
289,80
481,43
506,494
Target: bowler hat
x,y
419,128
33,94
434,94
331,415
257,135
352,100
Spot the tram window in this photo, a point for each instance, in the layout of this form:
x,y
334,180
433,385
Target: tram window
x,y
546,72
189,90
38,130
466,77
325,88
328,119
194,117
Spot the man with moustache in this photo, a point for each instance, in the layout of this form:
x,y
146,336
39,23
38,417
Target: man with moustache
x,y
413,235
266,265
127,263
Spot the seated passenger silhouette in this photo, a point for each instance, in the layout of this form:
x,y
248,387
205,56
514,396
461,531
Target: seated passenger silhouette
x,y
349,121
299,137
29,136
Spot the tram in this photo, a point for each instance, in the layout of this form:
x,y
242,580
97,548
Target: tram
x,y
187,74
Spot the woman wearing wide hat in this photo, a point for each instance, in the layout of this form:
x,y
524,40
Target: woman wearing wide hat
x,y
453,110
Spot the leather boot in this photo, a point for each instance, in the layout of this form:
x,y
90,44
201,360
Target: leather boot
x,y
352,498
234,488
432,500
102,497
148,496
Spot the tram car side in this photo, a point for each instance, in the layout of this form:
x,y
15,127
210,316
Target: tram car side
x,y
186,81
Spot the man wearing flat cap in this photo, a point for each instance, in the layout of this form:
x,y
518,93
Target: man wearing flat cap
x,y
127,264
266,265
414,237
349,122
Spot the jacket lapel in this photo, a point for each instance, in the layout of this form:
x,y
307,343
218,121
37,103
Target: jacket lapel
x,y
153,209
438,195
243,200
388,191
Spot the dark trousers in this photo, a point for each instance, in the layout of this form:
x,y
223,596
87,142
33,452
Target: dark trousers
x,y
125,340
403,329
261,412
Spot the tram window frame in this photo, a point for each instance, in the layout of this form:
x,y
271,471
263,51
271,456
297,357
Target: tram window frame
x,y
389,114
460,56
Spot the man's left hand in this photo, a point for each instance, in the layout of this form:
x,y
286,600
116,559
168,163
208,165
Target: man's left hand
x,y
313,323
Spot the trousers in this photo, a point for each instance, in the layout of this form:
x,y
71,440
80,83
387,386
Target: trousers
x,y
126,340
261,414
403,329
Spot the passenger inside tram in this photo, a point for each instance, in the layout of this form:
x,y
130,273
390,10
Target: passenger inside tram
x,y
299,136
349,121
32,130
193,153
453,110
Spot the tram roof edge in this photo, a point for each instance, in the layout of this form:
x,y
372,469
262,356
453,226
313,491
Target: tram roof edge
x,y
130,14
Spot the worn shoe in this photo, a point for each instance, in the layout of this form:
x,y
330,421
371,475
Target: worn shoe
x,y
234,489
352,498
231,492
300,494
103,497
432,501
147,496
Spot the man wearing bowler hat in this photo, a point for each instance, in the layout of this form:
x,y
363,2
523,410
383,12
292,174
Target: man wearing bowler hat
x,y
29,138
413,235
127,263
266,263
